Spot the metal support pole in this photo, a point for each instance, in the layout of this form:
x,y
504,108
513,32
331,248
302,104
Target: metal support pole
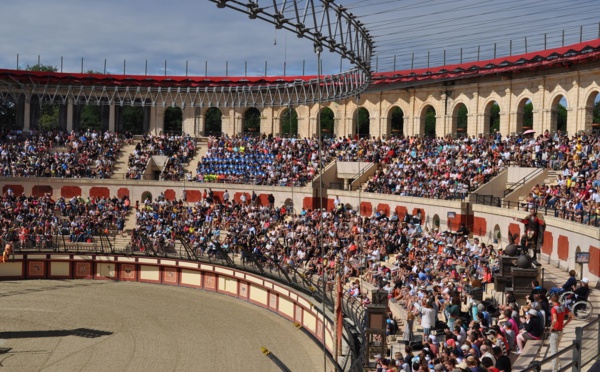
x,y
245,68
563,38
412,61
104,66
580,34
394,62
61,64
494,50
478,51
525,44
165,67
226,68
444,57
146,68
428,59
81,66
546,39
510,48
124,66
578,342
265,68
205,68
186,73
461,59
598,336
17,61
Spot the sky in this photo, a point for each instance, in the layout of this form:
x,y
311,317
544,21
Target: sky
x,y
130,33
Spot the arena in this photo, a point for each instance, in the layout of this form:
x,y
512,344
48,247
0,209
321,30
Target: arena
x,y
314,216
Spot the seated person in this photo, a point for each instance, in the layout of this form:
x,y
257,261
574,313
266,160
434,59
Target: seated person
x,y
583,291
568,286
533,329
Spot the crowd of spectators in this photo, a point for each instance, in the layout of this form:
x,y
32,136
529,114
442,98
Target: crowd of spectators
x,y
574,194
34,221
263,160
443,168
179,150
83,154
431,275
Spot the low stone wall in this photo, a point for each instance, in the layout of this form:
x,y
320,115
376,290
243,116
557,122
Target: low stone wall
x,y
244,286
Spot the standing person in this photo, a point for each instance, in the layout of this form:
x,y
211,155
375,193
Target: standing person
x,y
559,313
226,197
534,228
408,326
427,318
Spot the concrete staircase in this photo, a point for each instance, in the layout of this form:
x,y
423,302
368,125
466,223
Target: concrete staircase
x,y
122,163
551,178
201,149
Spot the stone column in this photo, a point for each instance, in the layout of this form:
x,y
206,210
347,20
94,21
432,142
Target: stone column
x,y
69,115
188,120
27,115
111,117
157,119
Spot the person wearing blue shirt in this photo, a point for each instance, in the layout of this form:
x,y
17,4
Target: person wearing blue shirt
x,y
568,286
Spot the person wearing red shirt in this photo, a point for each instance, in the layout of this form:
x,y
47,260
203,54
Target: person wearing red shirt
x,y
559,313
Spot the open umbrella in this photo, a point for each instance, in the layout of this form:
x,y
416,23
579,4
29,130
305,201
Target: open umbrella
x,y
530,131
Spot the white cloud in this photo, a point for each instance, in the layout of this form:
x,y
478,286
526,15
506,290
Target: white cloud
x,y
197,31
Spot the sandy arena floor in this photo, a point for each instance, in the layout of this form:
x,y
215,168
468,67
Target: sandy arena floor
x,y
69,325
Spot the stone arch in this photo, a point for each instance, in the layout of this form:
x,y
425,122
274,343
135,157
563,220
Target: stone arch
x,y
491,117
395,121
251,121
435,221
524,114
588,117
213,123
326,122
497,234
146,195
47,114
133,118
288,122
172,122
427,122
558,113
361,122
460,119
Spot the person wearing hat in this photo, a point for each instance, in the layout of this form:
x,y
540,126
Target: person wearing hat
x,y
583,291
533,329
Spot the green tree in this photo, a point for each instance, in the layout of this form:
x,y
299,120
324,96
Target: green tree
x,y
8,115
397,121
430,123
364,124
173,120
528,115
41,67
49,113
289,122
252,120
212,121
494,118
133,119
561,118
91,117
462,119
596,116
326,119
